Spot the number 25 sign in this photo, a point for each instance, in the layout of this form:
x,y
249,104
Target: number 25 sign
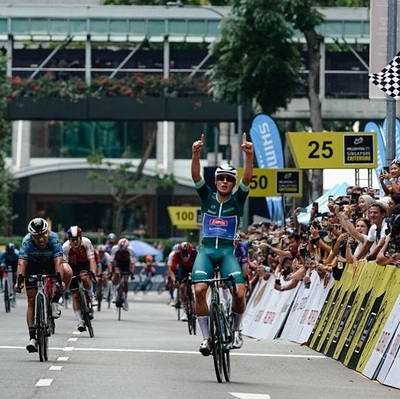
x,y
333,150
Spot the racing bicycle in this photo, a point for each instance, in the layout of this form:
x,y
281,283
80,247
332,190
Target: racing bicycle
x,y
43,320
85,302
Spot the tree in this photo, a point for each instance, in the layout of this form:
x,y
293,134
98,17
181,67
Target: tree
x,y
8,184
122,178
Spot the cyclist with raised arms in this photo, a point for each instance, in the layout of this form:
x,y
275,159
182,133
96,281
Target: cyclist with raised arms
x,y
221,215
79,253
41,252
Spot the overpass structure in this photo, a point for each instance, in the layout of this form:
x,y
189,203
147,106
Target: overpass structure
x,y
129,27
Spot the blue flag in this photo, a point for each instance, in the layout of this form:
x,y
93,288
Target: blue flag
x,y
268,149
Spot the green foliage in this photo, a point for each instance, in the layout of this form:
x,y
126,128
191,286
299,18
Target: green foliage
x,y
255,56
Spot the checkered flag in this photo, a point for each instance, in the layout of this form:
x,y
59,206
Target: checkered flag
x,y
388,80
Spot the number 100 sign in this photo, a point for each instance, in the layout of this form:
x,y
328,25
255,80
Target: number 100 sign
x,y
333,150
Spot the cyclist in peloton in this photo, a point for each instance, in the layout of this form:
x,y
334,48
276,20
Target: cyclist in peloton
x,y
9,259
104,269
79,253
123,261
221,214
111,241
181,265
41,252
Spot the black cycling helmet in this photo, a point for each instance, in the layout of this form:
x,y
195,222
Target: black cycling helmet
x,y
10,247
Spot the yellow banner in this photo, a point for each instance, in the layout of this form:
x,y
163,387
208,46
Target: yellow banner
x,y
275,182
333,150
185,217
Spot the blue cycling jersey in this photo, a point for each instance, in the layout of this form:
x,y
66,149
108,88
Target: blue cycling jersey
x,y
33,254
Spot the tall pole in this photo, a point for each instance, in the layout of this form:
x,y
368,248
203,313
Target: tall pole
x,y
390,151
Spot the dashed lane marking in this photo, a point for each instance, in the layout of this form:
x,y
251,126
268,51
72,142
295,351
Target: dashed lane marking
x,y
44,382
55,368
250,395
62,359
73,339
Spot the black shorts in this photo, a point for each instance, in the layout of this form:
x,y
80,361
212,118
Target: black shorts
x,y
46,267
183,273
124,267
76,270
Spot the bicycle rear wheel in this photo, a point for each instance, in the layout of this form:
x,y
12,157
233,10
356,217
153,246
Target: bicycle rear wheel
x,y
7,301
99,297
216,341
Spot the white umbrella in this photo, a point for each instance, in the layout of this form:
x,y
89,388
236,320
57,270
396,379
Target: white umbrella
x,y
142,248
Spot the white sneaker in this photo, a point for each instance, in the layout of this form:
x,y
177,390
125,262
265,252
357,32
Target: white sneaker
x,y
32,346
126,305
184,317
237,341
55,310
93,300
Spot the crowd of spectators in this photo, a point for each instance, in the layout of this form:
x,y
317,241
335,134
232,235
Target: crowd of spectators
x,y
359,227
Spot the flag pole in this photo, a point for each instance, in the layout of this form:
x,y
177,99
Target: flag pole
x,y
390,151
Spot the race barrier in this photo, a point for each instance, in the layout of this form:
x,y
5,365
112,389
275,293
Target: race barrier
x,y
355,320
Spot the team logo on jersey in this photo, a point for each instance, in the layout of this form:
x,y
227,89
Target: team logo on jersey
x,y
218,222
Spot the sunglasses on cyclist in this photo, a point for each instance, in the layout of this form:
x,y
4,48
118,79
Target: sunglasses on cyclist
x,y
74,239
38,237
228,178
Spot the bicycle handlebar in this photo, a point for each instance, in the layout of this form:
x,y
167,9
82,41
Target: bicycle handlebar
x,y
214,280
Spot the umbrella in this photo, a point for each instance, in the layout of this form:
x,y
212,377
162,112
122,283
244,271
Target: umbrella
x,y
142,248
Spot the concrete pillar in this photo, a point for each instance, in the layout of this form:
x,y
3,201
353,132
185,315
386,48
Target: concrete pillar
x,y
21,144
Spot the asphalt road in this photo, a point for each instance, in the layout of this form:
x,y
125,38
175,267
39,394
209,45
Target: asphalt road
x,y
149,354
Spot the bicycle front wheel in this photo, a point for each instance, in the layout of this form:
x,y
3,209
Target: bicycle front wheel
x,y
41,336
86,314
227,338
191,314
7,301
216,341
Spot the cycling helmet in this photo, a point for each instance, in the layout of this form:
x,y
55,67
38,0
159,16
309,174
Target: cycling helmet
x,y
38,226
10,247
101,248
185,249
112,237
74,232
226,169
123,243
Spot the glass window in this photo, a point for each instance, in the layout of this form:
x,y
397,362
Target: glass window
x,y
81,139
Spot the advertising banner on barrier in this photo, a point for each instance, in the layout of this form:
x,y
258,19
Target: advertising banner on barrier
x,y
312,310
380,360
269,312
393,359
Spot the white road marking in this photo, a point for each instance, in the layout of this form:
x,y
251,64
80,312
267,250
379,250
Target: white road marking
x,y
71,348
76,333
250,395
73,339
62,359
55,368
68,349
44,382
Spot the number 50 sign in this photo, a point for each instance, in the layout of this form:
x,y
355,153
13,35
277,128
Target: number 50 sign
x,y
333,150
